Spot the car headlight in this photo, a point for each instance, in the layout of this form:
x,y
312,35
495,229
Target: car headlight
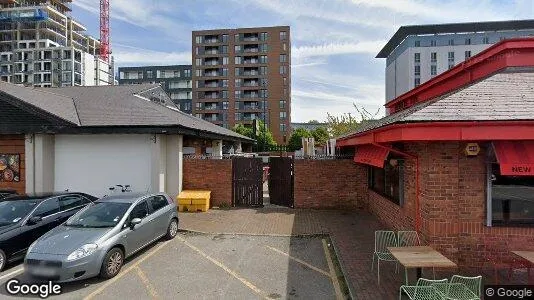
x,y
83,251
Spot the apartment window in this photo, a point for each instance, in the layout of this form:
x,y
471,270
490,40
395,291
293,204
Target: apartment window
x,y
225,105
282,127
198,105
433,57
198,39
225,82
451,59
198,73
224,94
238,60
237,71
285,92
237,48
238,82
451,42
417,57
263,59
237,94
198,62
176,74
283,58
263,70
417,71
485,40
198,116
149,74
282,104
387,181
224,49
283,35
225,60
236,37
225,38
263,81
237,116
433,43
284,46
467,54
417,44
196,50
433,70
263,48
285,80
468,41
417,82
187,73
264,94
283,70
283,115
263,36
186,106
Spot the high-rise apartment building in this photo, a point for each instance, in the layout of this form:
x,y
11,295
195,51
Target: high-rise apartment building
x,y
175,80
415,54
41,45
243,74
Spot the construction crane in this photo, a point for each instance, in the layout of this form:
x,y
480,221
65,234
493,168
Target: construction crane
x,y
105,46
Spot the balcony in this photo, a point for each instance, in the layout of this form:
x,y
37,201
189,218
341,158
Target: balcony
x,y
251,50
251,83
251,61
211,62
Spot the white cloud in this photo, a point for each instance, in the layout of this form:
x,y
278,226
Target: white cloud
x,y
128,55
298,54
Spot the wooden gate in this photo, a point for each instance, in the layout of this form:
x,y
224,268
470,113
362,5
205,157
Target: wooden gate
x,y
247,181
281,181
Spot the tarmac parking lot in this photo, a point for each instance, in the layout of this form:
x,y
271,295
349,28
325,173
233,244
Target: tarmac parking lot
x,y
200,266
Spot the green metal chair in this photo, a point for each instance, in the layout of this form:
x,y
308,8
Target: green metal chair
x,y
464,288
383,240
420,290
408,238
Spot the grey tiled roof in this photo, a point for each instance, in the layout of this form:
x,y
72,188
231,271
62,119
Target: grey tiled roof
x,y
119,105
506,96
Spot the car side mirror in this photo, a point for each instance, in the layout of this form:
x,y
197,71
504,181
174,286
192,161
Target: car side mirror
x,y
34,220
135,221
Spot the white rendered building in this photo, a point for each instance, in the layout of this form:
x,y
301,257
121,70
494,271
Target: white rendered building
x,y
41,45
418,53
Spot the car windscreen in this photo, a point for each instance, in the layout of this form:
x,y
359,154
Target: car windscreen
x,y
99,215
14,211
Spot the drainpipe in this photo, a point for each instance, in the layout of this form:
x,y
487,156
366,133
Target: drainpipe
x,y
417,190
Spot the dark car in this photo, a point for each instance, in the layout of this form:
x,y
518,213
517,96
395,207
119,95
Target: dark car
x,y
23,219
7,193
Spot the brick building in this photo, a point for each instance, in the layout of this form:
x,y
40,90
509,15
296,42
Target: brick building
x,y
454,157
243,74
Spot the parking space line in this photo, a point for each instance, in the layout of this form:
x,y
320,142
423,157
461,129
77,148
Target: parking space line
x,y
226,269
149,287
124,272
300,261
333,275
12,273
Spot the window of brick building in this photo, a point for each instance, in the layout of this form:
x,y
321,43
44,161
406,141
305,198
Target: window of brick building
x,y
388,181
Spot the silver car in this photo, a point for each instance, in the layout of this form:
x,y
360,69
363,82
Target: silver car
x,y
97,239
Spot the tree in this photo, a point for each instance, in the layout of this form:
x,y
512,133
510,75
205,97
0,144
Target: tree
x,y
295,141
346,123
313,122
263,137
320,135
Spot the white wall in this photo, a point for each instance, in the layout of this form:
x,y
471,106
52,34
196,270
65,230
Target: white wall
x,y
89,69
93,163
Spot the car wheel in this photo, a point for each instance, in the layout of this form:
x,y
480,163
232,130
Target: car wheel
x,y
172,230
3,260
112,264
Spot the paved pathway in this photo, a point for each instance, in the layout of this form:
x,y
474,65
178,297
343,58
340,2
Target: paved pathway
x,y
352,233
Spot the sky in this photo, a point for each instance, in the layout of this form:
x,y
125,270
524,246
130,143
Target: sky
x,y
334,42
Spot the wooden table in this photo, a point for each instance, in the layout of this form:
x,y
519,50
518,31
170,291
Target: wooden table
x,y
420,257
528,255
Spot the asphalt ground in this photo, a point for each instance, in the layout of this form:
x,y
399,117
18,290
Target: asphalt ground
x,y
199,266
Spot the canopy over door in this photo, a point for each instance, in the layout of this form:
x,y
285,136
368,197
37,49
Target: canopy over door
x,y
516,158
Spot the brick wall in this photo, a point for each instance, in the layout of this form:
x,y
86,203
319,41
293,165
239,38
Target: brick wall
x,y
452,205
210,174
14,144
331,184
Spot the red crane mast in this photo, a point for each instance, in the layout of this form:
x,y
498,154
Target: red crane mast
x,y
105,46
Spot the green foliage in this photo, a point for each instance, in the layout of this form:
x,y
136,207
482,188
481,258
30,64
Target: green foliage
x,y
313,122
264,136
295,141
320,135
346,123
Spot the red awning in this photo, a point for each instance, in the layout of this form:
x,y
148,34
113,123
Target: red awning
x,y
516,158
371,155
